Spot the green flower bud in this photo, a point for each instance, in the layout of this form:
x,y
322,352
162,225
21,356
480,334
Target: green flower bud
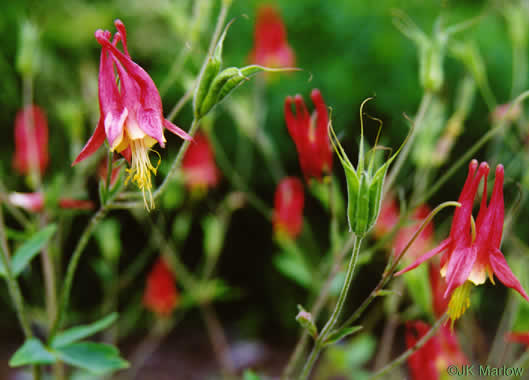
x,y
306,321
214,85
364,184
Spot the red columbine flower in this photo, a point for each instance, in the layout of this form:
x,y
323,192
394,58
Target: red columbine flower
x,y
198,165
35,202
31,141
131,116
469,259
431,360
161,295
309,133
271,47
288,207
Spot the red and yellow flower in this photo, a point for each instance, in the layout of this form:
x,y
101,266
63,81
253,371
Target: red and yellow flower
x,y
471,254
131,116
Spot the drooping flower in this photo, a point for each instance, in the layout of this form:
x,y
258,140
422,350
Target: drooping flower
x,y
271,47
131,115
309,133
161,295
31,141
288,207
431,360
35,202
198,165
469,257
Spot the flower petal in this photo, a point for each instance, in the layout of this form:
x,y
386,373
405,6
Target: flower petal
x,y
177,131
459,267
428,255
93,143
503,272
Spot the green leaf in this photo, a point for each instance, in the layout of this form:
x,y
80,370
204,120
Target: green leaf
x,y
80,332
294,268
418,284
95,357
250,375
32,352
337,335
29,250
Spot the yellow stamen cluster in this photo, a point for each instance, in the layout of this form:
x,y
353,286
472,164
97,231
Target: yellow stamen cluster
x,y
460,301
140,170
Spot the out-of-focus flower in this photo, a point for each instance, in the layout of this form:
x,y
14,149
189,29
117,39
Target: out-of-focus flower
x,y
35,202
518,337
431,360
438,287
131,115
288,207
31,141
199,167
388,218
423,242
271,47
161,295
309,133
470,256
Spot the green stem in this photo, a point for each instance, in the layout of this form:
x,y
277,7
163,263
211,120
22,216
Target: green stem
x,y
236,180
417,124
14,290
318,305
72,267
392,265
329,326
398,361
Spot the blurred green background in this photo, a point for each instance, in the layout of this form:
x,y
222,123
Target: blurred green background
x,y
350,50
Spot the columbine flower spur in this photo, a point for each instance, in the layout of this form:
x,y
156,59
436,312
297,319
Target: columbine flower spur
x,y
131,114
